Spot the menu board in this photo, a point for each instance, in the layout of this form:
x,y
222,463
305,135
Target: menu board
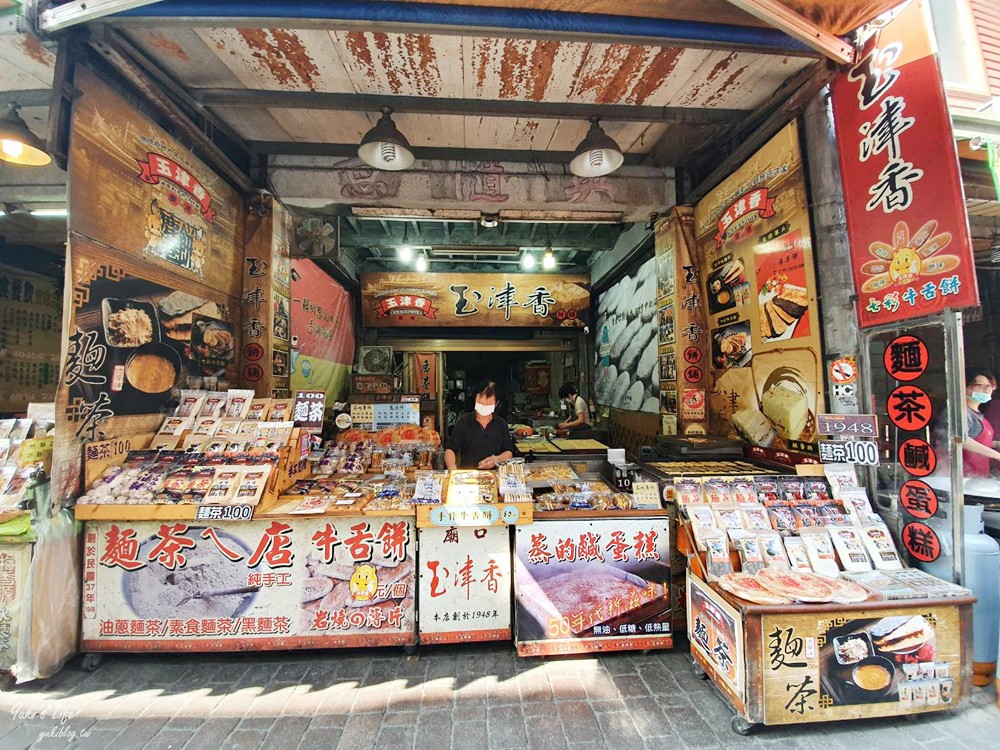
x,y
759,287
627,367
30,338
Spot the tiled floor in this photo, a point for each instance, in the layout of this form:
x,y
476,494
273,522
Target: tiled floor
x,y
447,697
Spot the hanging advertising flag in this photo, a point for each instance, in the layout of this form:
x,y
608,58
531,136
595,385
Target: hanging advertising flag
x,y
911,253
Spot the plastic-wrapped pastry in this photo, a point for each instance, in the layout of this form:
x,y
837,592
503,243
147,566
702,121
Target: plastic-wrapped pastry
x,y
623,501
550,501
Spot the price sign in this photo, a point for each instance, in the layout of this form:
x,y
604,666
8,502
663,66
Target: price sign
x,y
394,415
646,495
224,513
864,452
854,425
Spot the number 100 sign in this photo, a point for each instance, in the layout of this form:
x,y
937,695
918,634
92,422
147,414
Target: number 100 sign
x,y
864,452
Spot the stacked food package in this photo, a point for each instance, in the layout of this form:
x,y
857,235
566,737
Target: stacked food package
x,y
797,540
14,474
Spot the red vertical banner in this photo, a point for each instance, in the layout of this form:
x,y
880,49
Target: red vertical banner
x,y
425,373
911,254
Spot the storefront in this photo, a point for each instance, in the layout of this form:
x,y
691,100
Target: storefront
x,y
231,502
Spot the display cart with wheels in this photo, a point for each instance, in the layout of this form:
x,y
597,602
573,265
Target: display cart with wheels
x,y
793,663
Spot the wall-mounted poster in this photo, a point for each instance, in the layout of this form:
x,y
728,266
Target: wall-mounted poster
x,y
755,244
627,374
30,338
154,262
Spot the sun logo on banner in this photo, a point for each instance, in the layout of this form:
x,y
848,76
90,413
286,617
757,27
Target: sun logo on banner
x,y
907,258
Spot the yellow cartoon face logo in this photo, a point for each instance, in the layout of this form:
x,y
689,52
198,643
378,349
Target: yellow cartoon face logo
x,y
904,266
908,258
364,583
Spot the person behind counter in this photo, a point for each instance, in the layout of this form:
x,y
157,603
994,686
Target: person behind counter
x,y
479,439
578,408
979,445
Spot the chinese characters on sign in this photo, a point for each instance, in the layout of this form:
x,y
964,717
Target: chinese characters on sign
x,y
716,634
465,584
322,582
393,299
309,409
910,246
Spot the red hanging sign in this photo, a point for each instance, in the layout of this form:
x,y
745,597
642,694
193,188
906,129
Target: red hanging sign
x,y
906,358
158,167
921,542
911,253
918,499
425,374
909,408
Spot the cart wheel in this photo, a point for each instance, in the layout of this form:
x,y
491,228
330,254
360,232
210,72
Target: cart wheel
x,y
91,662
410,650
698,670
740,725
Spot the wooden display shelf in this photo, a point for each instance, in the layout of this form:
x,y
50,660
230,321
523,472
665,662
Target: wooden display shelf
x,y
537,447
569,445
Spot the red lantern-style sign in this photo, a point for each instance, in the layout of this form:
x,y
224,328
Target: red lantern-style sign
x,y
921,542
918,499
909,408
917,457
906,358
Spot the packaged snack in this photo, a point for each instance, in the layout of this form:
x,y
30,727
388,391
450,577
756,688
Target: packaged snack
x,y
701,515
175,425
176,485
793,491
206,426
238,403
429,488
782,520
189,444
773,550
6,427
819,549
259,409
201,483
881,548
858,507
833,515
190,403
755,517
169,442
817,492
741,492
768,492
806,517
14,485
581,501
511,476
223,486
214,445
717,491
213,405
850,546
251,486
280,410
728,516
797,555
687,492
751,557
718,562
228,427
550,501
841,477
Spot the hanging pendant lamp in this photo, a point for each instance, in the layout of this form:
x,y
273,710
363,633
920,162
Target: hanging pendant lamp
x,y
384,147
597,154
18,145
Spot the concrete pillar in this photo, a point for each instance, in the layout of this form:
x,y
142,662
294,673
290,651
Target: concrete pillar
x,y
831,247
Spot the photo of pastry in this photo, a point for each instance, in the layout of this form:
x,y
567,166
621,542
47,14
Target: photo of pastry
x,y
212,342
723,284
732,346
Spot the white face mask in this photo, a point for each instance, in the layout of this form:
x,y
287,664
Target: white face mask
x,y
484,410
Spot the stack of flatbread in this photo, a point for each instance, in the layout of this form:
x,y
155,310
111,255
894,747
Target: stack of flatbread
x,y
177,313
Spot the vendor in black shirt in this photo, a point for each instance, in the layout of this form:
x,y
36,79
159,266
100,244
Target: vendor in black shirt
x,y
479,440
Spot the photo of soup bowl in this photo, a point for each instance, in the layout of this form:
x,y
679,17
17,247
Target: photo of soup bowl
x,y
874,676
152,369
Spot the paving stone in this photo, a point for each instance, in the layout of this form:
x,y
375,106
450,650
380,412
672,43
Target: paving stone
x,y
359,732
544,733
395,718
433,729
401,738
212,733
506,727
607,707
463,712
579,722
567,689
243,739
619,731
170,739
649,718
138,733
324,738
468,735
286,733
